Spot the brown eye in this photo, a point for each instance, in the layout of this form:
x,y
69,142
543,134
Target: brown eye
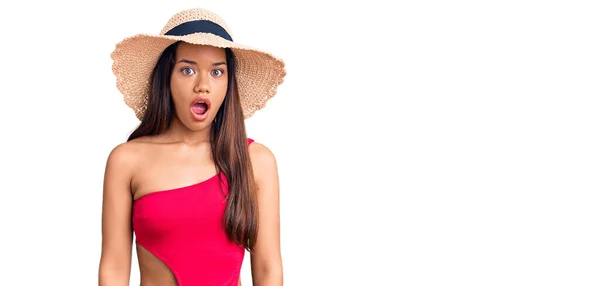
x,y
187,71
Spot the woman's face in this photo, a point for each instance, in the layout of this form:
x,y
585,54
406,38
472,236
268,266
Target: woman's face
x,y
198,84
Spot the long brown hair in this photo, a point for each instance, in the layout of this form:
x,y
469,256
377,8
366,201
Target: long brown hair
x,y
228,144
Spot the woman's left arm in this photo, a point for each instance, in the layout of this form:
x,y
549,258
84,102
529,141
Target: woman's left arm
x,y
265,259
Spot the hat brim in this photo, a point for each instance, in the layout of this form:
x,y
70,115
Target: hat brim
x,y
258,73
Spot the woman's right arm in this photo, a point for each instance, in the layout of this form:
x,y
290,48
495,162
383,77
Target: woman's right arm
x,y
117,235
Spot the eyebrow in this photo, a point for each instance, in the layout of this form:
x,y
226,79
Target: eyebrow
x,y
194,63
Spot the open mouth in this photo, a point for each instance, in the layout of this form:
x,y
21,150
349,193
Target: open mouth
x,y
200,108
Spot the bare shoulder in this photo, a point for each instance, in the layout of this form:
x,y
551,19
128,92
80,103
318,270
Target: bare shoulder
x,y
261,155
263,161
124,154
129,152
124,158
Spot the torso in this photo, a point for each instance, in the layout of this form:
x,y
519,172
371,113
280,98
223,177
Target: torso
x,y
165,166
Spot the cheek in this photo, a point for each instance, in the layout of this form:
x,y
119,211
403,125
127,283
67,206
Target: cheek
x,y
220,92
222,87
179,89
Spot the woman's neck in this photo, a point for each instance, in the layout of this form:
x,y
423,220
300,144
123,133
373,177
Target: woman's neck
x,y
177,132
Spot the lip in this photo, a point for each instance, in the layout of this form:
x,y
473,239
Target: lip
x,y
198,116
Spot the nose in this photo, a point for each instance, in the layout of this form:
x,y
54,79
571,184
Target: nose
x,y
202,84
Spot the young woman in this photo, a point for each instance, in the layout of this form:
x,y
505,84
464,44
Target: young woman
x,y
190,185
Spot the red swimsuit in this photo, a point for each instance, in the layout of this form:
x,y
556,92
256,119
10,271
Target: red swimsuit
x,y
183,228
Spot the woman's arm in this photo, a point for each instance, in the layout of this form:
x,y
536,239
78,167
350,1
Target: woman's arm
x,y
115,260
265,260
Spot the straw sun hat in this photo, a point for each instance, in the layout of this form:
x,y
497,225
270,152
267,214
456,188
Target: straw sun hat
x,y
258,73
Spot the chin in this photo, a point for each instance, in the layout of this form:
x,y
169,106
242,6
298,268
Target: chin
x,y
198,125
192,124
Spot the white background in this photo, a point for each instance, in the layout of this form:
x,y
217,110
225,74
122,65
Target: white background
x,y
426,143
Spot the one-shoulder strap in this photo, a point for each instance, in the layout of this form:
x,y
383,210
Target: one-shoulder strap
x,y
250,140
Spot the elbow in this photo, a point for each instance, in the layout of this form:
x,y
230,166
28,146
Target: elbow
x,y
110,275
112,278
268,276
